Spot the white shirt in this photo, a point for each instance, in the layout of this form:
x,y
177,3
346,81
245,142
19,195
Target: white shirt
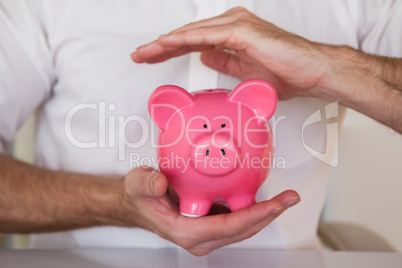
x,y
71,59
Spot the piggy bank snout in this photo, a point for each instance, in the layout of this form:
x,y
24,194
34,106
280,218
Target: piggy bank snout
x,y
215,155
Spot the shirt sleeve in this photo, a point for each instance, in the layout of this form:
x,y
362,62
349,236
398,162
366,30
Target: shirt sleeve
x,y
26,72
380,27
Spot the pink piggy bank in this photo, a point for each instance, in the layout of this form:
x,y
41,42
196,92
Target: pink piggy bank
x,y
214,145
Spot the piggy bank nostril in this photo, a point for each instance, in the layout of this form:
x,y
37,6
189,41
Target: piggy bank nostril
x,y
207,153
223,152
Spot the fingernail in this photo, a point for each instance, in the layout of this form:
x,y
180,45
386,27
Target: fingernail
x,y
293,201
153,184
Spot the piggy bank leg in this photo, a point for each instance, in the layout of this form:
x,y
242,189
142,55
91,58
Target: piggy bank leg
x,y
240,201
194,207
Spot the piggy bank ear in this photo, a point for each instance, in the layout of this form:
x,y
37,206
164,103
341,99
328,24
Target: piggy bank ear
x,y
165,101
257,94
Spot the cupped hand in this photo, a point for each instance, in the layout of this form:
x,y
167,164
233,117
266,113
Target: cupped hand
x,y
242,45
152,205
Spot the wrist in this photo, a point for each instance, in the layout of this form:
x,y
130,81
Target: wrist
x,y
106,201
349,77
366,83
339,71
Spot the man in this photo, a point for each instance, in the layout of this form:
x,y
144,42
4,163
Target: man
x,y
72,61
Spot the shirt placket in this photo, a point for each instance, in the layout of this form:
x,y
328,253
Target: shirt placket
x,y
200,76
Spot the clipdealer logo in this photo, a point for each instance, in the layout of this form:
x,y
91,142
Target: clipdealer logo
x,y
111,133
330,156
108,129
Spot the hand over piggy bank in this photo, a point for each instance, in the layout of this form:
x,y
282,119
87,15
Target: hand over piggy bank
x,y
214,145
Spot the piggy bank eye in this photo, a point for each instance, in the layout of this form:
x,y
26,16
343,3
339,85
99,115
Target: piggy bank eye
x,y
205,126
223,125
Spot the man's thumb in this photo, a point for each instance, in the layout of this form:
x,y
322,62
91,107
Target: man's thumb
x,y
146,182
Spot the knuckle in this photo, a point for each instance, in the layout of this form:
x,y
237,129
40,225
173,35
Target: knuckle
x,y
249,234
187,244
200,252
181,239
239,10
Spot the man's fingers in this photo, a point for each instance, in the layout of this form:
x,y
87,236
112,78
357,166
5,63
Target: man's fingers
x,y
222,35
229,225
288,198
155,53
222,31
199,39
211,232
225,18
145,182
263,212
237,222
243,224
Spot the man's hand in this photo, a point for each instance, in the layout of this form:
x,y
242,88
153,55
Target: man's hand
x,y
153,206
242,45
37,200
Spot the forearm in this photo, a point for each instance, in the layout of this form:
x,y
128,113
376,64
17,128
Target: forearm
x,y
369,84
38,200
